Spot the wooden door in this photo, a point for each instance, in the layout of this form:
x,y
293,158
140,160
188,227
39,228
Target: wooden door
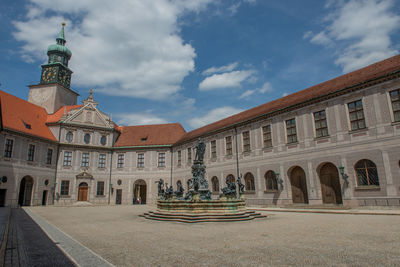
x,y
83,193
299,187
3,197
330,186
44,198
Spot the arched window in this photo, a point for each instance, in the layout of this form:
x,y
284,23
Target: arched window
x,y
270,181
230,178
249,181
215,184
69,136
367,173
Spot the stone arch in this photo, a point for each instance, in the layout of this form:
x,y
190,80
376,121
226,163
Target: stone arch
x,y
25,191
298,185
139,192
330,185
249,182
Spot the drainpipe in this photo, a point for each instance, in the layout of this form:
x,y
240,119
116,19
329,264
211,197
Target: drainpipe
x,y
57,159
237,154
111,162
172,162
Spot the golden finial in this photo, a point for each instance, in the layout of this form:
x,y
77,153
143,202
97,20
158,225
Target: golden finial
x,y
63,24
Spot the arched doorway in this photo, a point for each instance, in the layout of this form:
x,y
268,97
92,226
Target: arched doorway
x,y
215,184
330,186
83,192
25,191
139,192
299,187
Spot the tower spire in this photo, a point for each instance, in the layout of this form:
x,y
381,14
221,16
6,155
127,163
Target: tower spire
x,y
61,36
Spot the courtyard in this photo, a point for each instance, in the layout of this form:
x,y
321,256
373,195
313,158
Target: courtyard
x,y
120,236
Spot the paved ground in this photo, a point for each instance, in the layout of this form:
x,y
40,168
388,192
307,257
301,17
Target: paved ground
x,y
28,245
123,238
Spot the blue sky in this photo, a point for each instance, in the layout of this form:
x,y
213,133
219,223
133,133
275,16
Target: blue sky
x,y
194,61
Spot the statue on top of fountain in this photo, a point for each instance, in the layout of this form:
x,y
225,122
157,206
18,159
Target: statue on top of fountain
x,y
198,184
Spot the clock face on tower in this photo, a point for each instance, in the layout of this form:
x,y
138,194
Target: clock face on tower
x,y
49,75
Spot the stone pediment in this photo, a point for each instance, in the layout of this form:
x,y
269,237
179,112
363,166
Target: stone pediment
x,y
84,175
89,115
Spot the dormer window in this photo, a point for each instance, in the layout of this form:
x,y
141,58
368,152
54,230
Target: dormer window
x,y
144,139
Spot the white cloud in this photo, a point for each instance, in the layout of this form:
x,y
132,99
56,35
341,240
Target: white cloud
x,y
226,68
361,30
267,87
213,115
130,48
225,80
128,119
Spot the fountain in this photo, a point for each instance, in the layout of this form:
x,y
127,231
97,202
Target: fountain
x,y
197,205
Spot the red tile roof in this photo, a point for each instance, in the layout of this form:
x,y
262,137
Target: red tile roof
x,y
368,73
150,135
56,116
22,116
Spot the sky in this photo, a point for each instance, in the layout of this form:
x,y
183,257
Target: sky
x,y
193,61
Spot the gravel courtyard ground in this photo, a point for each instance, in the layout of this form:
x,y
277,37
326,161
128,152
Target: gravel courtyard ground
x,y
123,238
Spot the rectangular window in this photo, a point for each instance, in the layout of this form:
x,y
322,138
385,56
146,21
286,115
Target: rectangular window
x,y
291,131
49,156
161,159
246,141
102,161
8,148
213,149
189,151
31,152
321,126
140,160
67,158
395,97
64,188
100,189
228,145
267,137
179,158
356,114
85,160
120,160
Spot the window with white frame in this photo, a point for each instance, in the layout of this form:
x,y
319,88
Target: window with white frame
x,y
213,149
179,158
67,158
140,160
120,160
31,152
267,137
228,145
85,160
189,155
8,148
161,159
246,141
102,161
291,132
321,126
356,115
395,98
64,190
49,156
100,188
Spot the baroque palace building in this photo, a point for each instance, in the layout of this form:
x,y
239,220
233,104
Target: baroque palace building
x,y
337,142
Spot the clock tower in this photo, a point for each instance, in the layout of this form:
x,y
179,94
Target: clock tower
x,y
54,91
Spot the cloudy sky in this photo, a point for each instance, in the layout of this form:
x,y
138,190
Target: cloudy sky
x,y
194,61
